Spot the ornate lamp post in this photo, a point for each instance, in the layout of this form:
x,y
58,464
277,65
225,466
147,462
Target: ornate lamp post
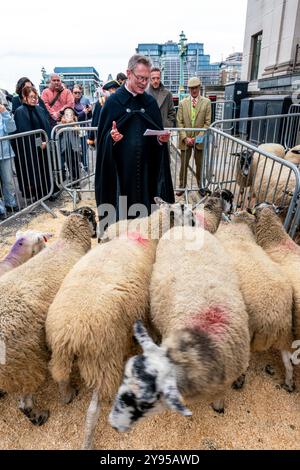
x,y
182,53
43,83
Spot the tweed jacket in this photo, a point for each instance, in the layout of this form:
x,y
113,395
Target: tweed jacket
x,y
165,103
184,119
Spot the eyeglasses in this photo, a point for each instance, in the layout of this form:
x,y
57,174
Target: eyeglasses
x,y
141,79
55,80
77,92
33,97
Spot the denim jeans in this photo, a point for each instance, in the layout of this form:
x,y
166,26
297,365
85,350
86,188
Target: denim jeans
x,y
7,190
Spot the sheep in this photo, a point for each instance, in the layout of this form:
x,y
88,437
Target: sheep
x,y
25,296
266,291
293,155
248,160
208,213
274,183
270,181
272,237
27,244
151,226
197,307
110,288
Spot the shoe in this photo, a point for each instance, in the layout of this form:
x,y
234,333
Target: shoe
x,y
179,193
2,216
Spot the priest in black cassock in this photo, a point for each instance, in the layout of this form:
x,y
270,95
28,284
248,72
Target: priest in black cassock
x,y
129,163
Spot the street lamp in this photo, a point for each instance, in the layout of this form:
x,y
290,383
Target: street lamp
x,y
182,53
43,83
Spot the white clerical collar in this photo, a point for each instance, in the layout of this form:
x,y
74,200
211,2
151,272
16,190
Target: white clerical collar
x,y
134,94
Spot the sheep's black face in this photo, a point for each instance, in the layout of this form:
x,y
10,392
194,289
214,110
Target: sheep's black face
x,y
182,215
90,215
245,161
264,208
137,396
227,199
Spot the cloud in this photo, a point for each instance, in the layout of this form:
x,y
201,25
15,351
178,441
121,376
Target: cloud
x,y
68,33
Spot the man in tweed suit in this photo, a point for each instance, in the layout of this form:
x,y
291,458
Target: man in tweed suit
x,y
194,111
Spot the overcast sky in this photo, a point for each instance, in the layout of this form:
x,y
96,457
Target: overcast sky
x,y
105,34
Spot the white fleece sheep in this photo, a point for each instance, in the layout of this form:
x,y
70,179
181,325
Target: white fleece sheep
x,y
179,213
93,314
273,183
27,244
25,296
208,213
197,307
266,291
272,237
293,155
248,161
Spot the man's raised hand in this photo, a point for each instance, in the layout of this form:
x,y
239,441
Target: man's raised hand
x,y
115,134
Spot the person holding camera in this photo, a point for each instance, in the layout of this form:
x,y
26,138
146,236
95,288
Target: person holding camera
x,y
82,105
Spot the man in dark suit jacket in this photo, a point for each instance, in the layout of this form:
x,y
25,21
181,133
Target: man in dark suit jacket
x,y
163,97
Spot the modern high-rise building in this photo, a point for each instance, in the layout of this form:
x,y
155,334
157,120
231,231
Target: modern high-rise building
x,y
231,68
196,63
88,77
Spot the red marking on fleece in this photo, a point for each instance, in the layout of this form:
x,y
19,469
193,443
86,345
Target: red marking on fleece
x,y
137,237
213,320
291,246
201,220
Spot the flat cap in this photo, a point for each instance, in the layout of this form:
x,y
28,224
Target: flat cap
x,y
111,84
194,81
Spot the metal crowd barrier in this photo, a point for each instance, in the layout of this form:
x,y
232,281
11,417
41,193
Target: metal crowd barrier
x,y
186,162
221,110
280,128
35,178
253,176
75,160
26,174
72,176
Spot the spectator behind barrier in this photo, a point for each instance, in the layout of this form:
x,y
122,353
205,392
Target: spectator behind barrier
x,y
82,105
17,99
30,152
70,147
57,98
7,191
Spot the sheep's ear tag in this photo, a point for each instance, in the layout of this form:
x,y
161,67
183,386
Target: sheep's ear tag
x,y
253,211
45,239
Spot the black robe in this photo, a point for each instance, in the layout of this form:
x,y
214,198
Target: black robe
x,y
95,120
31,161
137,167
